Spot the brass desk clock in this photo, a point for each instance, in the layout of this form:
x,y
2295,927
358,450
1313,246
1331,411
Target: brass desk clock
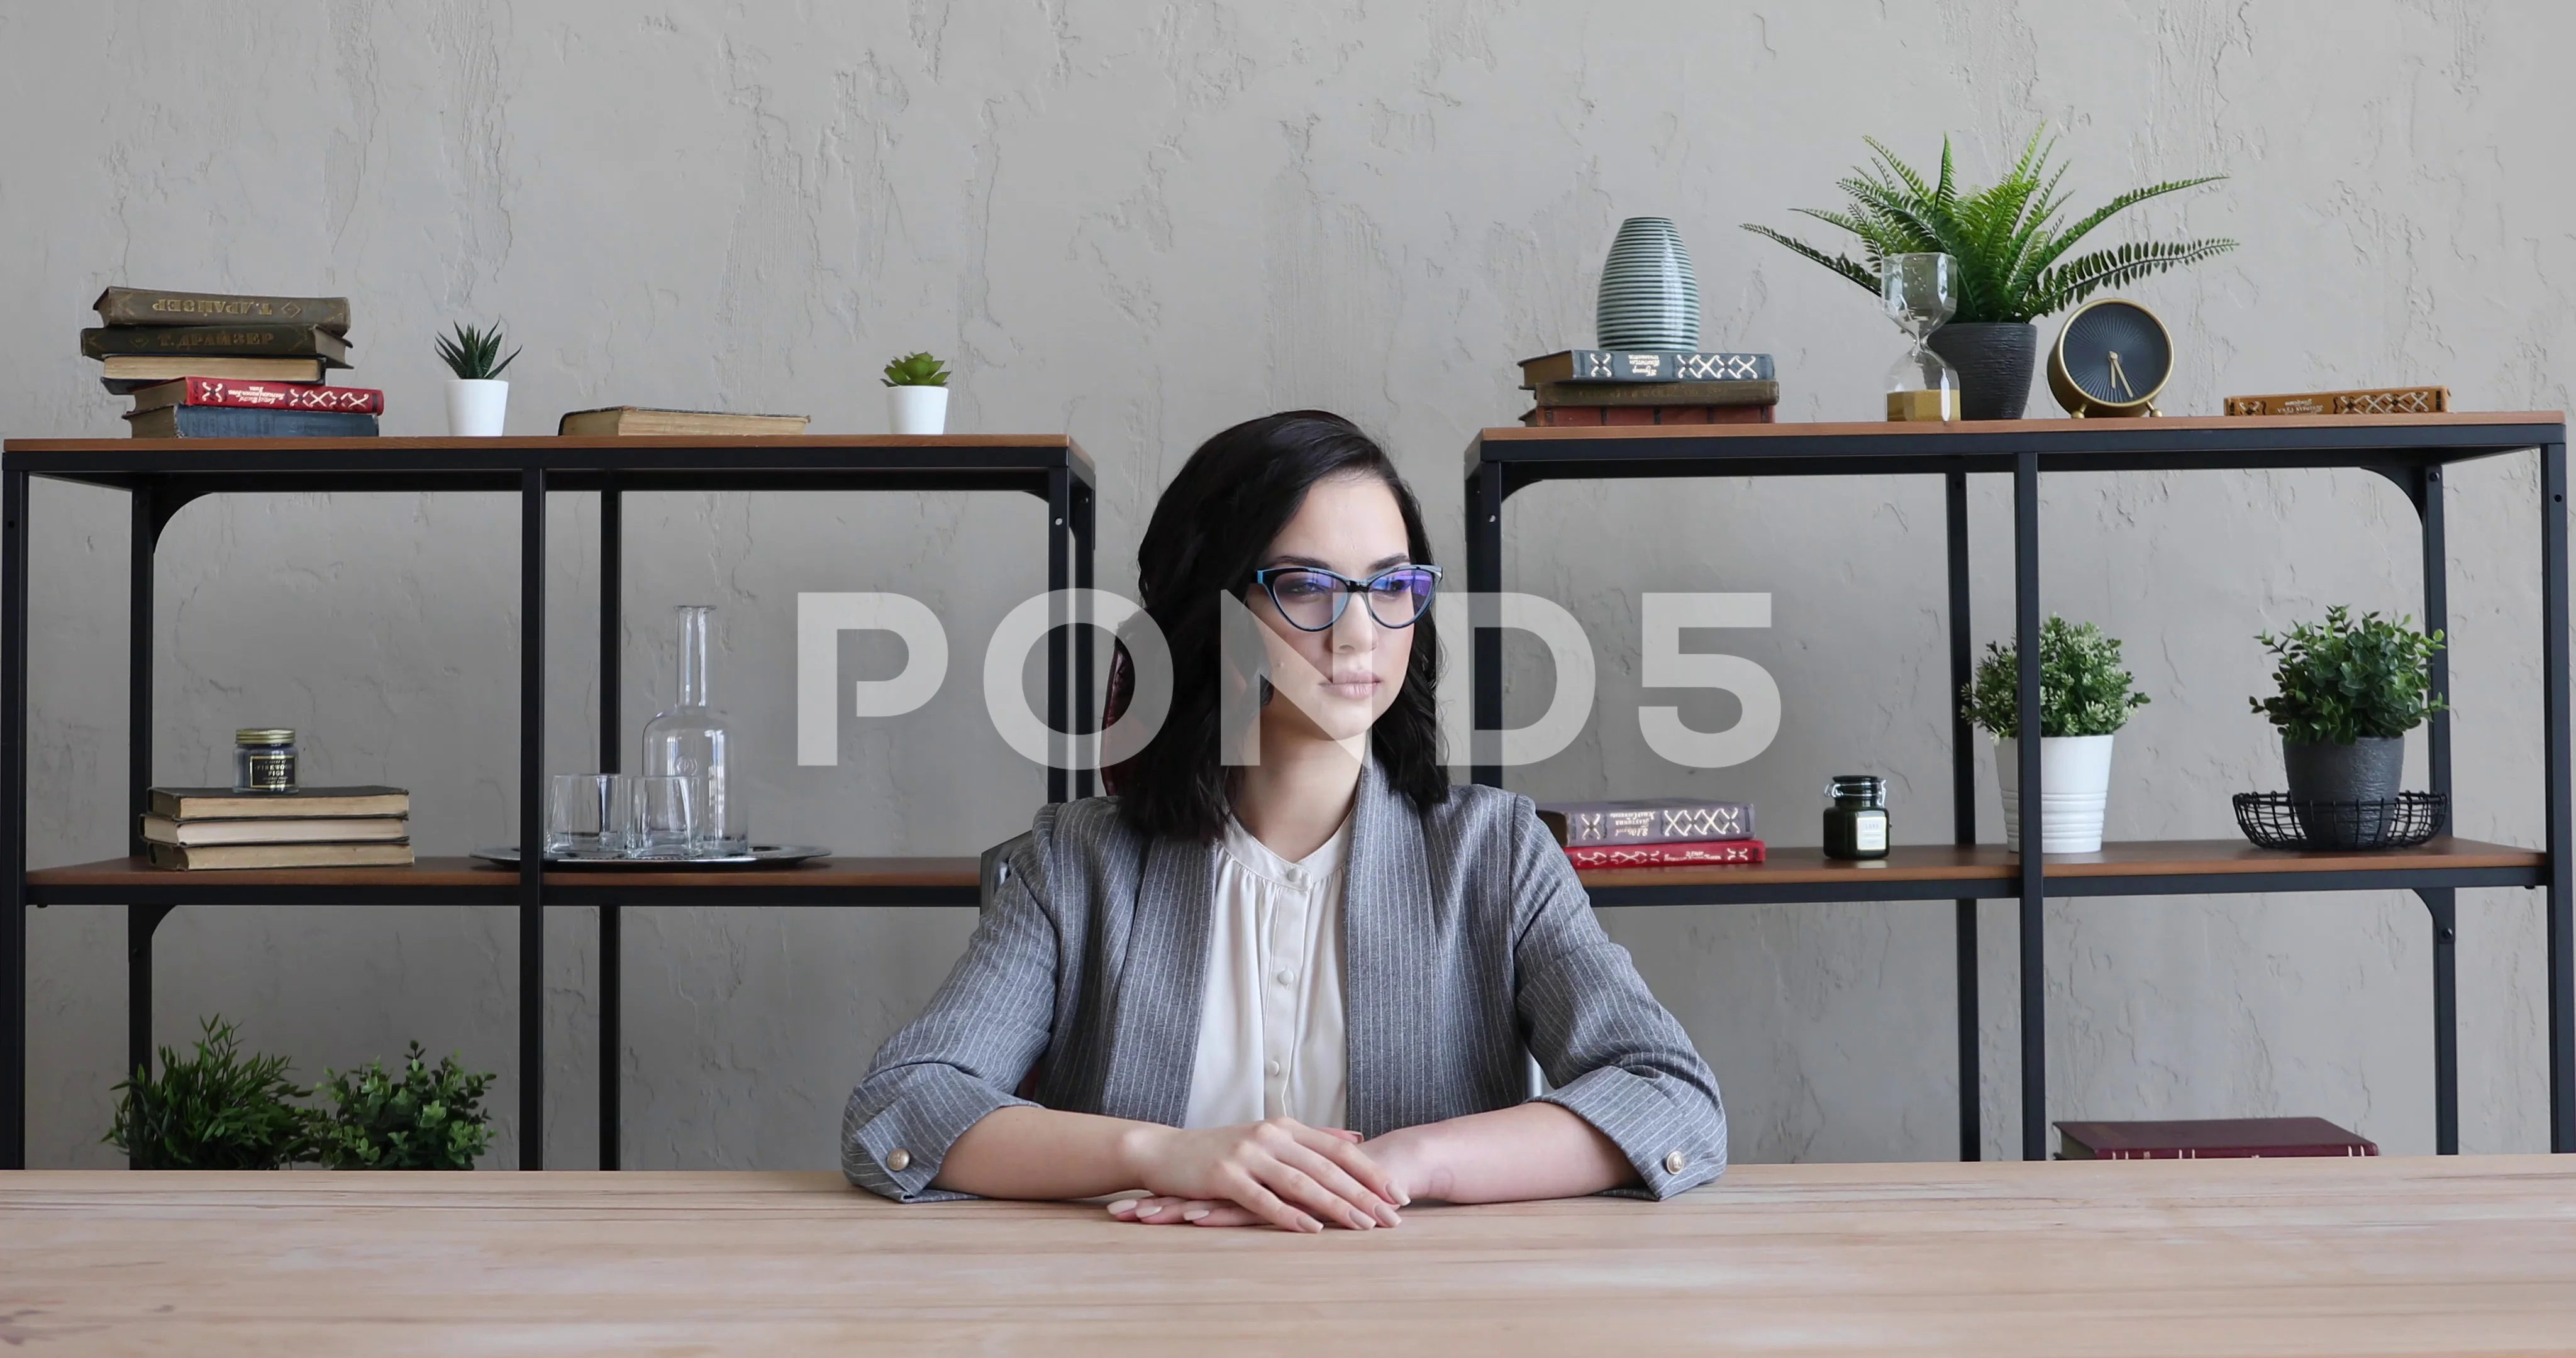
x,y
2111,359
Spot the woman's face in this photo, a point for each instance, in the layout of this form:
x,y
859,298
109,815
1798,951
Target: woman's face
x,y
1335,684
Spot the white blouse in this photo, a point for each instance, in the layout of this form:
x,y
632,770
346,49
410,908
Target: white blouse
x,y
1270,1024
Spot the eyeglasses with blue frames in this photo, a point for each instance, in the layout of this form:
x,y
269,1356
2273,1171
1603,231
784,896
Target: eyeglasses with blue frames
x,y
1312,599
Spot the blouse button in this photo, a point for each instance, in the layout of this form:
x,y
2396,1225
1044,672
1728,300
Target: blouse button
x,y
1275,1069
1284,976
1675,1162
898,1160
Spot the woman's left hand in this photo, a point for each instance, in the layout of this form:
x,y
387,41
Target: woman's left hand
x,y
1170,1211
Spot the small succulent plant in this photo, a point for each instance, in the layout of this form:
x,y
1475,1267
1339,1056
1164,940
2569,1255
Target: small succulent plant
x,y
916,370
474,355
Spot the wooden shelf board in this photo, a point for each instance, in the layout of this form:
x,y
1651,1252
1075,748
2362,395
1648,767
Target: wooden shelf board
x,y
1989,428
2140,858
476,874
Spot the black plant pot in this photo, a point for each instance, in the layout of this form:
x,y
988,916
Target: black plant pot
x,y
1995,361
2367,772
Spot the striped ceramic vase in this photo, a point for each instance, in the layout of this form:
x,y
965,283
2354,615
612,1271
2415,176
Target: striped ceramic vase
x,y
1649,296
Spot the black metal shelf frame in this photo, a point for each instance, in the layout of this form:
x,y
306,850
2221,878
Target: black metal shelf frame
x,y
2412,455
161,480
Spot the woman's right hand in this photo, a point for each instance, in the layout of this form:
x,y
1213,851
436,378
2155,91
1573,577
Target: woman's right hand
x,y
1280,1170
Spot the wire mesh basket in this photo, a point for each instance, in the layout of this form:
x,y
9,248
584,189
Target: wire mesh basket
x,y
2273,821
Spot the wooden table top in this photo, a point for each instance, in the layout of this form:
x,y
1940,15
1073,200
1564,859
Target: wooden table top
x,y
2394,1255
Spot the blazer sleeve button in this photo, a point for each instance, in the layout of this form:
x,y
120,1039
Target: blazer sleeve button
x,y
898,1160
1673,1163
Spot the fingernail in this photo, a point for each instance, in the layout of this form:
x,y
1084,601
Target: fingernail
x,y
1194,1214
1387,1215
1402,1198
1122,1207
1150,1212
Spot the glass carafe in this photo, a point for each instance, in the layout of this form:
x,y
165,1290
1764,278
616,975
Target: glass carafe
x,y
690,740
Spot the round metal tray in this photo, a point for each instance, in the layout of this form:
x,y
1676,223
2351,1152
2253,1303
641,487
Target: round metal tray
x,y
761,856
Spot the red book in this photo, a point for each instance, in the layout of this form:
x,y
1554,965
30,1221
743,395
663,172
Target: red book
x,y
1591,417
2209,1139
226,391
1704,853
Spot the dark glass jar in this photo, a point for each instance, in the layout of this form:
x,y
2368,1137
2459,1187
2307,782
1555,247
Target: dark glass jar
x,y
263,759
1856,822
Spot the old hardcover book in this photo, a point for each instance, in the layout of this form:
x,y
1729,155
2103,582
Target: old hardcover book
x,y
222,803
190,858
1715,853
319,830
1658,393
611,420
2208,1139
217,341
1595,417
236,422
1641,365
2366,401
217,391
1654,820
152,306
126,374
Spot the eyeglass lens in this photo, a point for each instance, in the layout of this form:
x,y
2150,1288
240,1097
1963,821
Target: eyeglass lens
x,y
1313,600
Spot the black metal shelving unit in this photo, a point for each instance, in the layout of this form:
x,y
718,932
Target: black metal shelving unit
x,y
163,476
2411,451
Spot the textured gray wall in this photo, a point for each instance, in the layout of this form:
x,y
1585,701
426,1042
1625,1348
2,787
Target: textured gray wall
x,y
1137,223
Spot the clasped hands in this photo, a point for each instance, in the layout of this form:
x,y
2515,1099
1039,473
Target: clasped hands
x,y
1278,1172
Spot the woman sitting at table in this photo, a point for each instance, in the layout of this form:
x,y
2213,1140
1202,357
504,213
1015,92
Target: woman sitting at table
x,y
1296,985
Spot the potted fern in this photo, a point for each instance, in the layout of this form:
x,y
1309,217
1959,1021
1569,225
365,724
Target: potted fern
x,y
916,395
2349,691
2011,253
2085,697
477,399
213,1109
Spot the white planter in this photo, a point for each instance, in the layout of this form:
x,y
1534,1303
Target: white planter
x,y
2074,786
475,407
917,410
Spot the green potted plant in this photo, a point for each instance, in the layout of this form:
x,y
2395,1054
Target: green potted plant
x,y
2011,253
916,395
477,399
214,1109
2085,697
425,1117
2349,689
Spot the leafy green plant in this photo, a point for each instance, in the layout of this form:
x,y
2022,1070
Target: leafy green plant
x,y
916,370
427,1117
2084,690
474,355
2010,247
215,1109
2342,679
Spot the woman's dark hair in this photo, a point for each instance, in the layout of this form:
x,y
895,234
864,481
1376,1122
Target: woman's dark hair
x,y
1208,534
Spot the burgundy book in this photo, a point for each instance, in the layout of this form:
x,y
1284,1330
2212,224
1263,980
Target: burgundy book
x,y
224,391
1708,853
2208,1139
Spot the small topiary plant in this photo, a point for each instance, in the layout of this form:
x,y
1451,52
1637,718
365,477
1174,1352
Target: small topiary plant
x,y
2342,680
2084,690
916,370
424,1118
214,1110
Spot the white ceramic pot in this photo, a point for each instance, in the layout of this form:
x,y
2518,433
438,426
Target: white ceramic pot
x,y
2074,786
475,407
917,410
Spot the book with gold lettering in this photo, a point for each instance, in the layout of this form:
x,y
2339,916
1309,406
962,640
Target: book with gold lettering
x,y
153,306
217,341
2364,401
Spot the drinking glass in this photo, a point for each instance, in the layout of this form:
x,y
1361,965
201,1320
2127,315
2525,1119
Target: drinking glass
x,y
588,814
1920,292
668,817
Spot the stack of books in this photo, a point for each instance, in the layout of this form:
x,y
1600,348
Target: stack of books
x,y
1660,832
314,827
227,365
1585,388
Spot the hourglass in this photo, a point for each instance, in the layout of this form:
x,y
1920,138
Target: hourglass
x,y
1921,291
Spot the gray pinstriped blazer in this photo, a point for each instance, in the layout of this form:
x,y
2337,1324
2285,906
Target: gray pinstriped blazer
x,y
1466,940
